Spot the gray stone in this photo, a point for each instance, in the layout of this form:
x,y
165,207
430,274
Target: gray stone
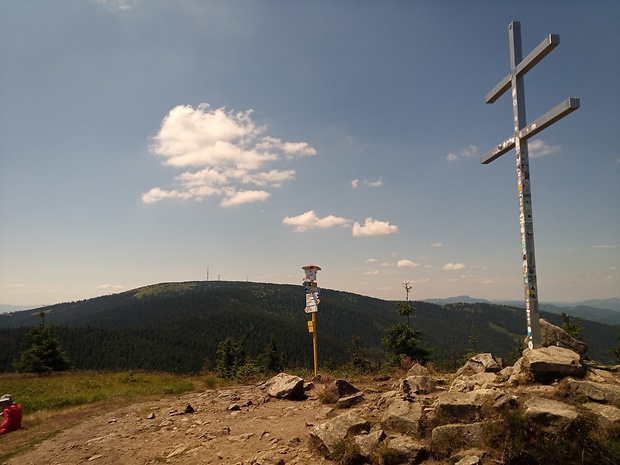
x,y
458,405
403,416
598,392
285,386
479,363
447,439
469,460
350,401
408,450
546,365
550,414
329,434
368,443
418,370
469,383
607,416
417,384
551,335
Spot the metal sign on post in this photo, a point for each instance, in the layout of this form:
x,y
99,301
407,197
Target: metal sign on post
x,y
522,132
312,307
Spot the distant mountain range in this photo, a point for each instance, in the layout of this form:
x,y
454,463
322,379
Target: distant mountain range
x,y
178,326
602,310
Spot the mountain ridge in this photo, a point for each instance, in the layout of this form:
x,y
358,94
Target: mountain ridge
x,y
178,326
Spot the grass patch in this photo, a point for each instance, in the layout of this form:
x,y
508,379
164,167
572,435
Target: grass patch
x,y
55,402
57,391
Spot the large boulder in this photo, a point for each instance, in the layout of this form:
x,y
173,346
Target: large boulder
x,y
607,416
546,365
551,335
328,435
597,392
550,414
447,439
403,416
462,406
407,450
480,363
285,386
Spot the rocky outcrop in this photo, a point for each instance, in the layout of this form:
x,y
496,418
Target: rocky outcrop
x,y
285,386
420,418
546,365
551,335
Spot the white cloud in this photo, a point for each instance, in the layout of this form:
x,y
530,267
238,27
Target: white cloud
x,y
539,148
109,287
374,228
223,152
309,220
372,260
453,267
406,264
467,152
370,273
237,198
355,183
436,245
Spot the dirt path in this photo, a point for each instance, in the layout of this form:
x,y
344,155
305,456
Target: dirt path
x,y
238,425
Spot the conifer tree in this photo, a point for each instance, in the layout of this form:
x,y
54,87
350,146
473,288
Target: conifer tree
x,y
42,351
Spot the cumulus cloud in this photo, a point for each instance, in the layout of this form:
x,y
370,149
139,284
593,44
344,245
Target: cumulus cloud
x,y
222,152
374,227
309,220
467,152
436,245
453,266
406,264
539,148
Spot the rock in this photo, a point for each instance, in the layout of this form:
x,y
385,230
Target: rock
x,y
447,439
417,384
598,392
403,416
546,365
368,443
469,460
329,434
607,416
350,401
480,363
550,414
418,370
285,386
551,335
469,383
458,405
344,388
189,409
407,450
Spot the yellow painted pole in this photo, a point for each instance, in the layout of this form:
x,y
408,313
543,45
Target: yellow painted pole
x,y
314,346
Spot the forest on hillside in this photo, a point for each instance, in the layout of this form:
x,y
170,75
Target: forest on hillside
x,y
177,327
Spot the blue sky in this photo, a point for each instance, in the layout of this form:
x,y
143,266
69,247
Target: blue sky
x,y
148,141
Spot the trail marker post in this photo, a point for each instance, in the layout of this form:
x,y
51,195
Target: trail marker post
x,y
522,132
312,307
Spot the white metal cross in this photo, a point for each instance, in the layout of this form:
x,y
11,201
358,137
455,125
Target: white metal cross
x,y
522,132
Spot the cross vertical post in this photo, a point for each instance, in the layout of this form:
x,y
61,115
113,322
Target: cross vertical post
x,y
522,132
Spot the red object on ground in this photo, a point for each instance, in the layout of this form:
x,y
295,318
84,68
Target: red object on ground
x,y
12,419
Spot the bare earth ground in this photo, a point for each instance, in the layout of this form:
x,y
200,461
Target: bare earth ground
x,y
235,425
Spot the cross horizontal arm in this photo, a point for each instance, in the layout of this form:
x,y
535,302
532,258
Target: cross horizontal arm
x,y
540,52
555,114
498,151
546,120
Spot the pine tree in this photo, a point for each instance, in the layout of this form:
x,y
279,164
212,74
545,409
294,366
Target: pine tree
x,y
42,351
358,361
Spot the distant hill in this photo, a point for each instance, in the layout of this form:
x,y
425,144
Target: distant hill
x,y
177,326
605,311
